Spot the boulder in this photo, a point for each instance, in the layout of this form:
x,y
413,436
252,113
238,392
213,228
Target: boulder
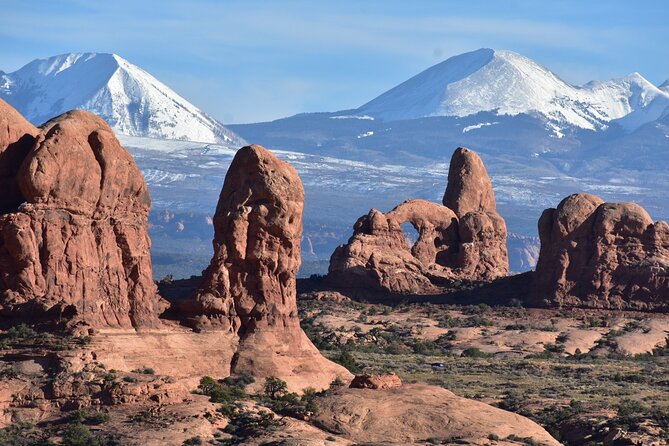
x,y
376,381
602,255
466,242
77,247
249,287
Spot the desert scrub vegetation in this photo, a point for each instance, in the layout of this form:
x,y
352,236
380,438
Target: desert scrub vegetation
x,y
228,391
277,398
24,336
598,388
549,390
73,432
248,421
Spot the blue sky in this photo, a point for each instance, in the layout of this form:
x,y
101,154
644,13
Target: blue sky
x,y
246,61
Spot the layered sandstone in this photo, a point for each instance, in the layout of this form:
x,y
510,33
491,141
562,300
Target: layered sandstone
x,y
249,287
73,235
465,241
602,255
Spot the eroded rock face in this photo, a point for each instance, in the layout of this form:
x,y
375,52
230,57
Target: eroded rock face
x,y
257,232
602,255
467,243
469,188
249,287
78,246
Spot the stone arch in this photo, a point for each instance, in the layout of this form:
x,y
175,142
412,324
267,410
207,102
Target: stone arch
x,y
436,226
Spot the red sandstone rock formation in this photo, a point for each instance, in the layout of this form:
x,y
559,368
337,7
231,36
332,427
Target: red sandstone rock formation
x,y
469,243
376,381
602,255
78,246
469,188
250,285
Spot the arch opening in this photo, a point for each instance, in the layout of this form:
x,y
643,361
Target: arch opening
x,y
410,233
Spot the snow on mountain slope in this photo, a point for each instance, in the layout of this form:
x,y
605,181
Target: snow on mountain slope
x,y
509,84
131,100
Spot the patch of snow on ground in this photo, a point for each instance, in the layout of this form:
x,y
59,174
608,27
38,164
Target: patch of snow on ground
x,y
363,117
477,126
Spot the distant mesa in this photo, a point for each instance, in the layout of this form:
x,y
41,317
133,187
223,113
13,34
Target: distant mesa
x,y
132,101
467,241
602,255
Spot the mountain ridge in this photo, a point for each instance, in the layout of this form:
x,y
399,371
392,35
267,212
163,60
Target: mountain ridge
x,y
508,83
130,99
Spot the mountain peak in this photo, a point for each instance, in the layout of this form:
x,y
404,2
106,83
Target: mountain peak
x,y
131,100
54,65
507,83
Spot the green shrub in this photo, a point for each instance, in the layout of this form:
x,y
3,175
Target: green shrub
x,y
225,391
630,407
82,416
477,321
474,352
20,434
79,435
427,348
275,387
244,424
347,360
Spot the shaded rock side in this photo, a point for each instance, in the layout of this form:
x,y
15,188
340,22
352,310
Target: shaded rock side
x,y
450,246
76,247
249,287
17,137
602,255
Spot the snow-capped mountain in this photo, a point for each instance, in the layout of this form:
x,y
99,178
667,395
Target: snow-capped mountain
x,y
508,83
131,100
